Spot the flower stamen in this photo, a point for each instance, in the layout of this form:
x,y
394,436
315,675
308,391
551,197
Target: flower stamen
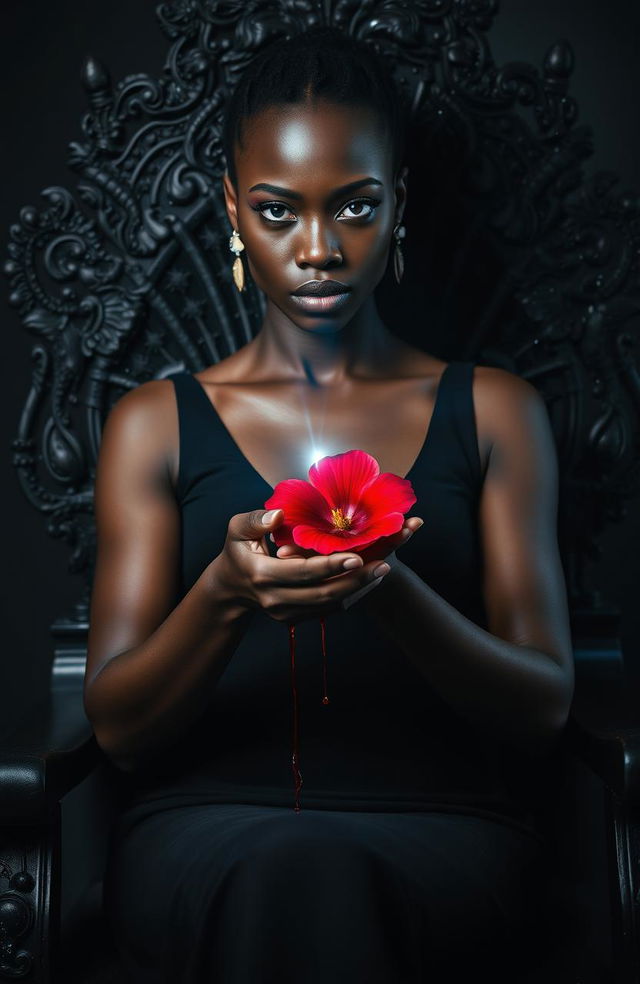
x,y
340,521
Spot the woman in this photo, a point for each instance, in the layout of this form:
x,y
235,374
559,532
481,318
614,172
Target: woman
x,y
414,857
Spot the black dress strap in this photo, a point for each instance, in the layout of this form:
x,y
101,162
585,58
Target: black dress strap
x,y
460,411
196,434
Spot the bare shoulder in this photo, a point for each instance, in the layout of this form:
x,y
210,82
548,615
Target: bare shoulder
x,y
498,393
502,383
144,422
149,408
510,412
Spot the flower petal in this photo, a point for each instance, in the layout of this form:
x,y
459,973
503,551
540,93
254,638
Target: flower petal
x,y
387,494
385,525
342,478
301,503
283,536
311,538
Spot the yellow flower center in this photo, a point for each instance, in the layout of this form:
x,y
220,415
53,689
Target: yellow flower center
x,y
340,521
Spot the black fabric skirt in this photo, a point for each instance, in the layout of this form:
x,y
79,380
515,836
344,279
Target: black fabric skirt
x,y
242,894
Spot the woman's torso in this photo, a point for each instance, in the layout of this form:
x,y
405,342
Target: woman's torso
x,y
386,741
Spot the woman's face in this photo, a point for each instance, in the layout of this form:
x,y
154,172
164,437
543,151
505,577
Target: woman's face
x,y
315,201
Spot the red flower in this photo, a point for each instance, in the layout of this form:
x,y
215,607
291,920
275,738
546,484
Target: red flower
x,y
346,504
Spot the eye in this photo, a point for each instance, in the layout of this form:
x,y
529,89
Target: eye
x,y
277,209
361,208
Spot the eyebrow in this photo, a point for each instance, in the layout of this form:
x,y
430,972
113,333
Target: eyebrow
x,y
287,193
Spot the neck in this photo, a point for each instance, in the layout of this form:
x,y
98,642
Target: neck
x,y
321,356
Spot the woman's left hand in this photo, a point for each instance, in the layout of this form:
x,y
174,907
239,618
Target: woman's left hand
x,y
382,549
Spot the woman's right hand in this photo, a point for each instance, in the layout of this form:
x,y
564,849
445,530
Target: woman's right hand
x,y
287,589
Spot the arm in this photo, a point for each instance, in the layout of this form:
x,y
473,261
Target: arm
x,y
515,680
152,663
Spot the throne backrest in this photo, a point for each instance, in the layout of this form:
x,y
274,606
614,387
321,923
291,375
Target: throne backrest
x,y
512,257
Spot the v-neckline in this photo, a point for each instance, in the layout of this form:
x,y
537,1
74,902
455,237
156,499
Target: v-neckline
x,y
235,444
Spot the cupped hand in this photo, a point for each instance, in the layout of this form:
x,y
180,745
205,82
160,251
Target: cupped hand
x,y
306,585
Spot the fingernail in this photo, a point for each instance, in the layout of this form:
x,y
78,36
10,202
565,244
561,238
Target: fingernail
x,y
381,569
268,516
351,564
421,523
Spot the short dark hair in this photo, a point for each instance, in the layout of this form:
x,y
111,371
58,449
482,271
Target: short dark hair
x,y
319,63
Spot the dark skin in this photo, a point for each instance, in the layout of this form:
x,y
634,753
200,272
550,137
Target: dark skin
x,y
335,381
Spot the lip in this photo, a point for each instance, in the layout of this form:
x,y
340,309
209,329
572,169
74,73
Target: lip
x,y
318,305
321,288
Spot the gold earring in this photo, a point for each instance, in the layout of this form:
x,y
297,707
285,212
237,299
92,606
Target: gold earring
x,y
236,246
398,259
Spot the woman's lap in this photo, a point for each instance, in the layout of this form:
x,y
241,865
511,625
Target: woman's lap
x,y
239,894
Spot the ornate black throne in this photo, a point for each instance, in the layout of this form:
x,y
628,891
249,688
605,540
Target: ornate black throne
x,y
513,258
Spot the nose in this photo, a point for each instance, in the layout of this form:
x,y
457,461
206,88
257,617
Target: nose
x,y
317,246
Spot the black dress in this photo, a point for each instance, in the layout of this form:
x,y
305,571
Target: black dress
x,y
415,856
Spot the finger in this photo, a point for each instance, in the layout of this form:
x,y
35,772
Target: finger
x,y
333,592
289,549
309,570
292,550
407,531
410,527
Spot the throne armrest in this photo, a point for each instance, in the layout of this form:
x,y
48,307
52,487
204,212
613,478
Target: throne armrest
x,y
612,753
604,726
45,758
603,730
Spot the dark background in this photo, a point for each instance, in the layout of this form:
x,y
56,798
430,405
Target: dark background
x,y
41,50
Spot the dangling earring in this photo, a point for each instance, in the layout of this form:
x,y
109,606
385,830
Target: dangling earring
x,y
398,259
236,246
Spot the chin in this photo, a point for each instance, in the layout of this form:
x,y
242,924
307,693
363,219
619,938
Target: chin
x,y
319,324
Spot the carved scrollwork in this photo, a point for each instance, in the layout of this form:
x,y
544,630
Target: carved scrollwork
x,y
71,293
583,295
17,921
133,280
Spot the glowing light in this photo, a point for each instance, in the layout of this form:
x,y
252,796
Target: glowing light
x,y
316,456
